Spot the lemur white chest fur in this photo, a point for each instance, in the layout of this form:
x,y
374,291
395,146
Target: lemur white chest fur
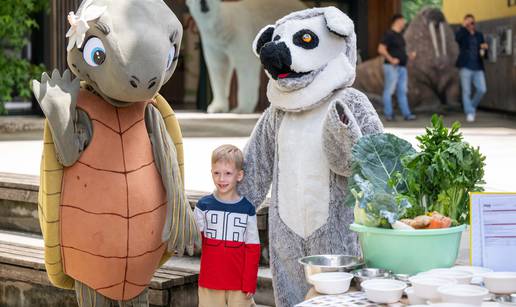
x,y
303,171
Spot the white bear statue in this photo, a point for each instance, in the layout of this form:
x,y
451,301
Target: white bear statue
x,y
227,30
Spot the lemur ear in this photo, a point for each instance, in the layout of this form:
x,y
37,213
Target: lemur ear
x,y
340,24
263,37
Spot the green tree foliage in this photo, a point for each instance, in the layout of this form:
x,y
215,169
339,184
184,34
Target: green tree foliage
x,y
16,23
410,8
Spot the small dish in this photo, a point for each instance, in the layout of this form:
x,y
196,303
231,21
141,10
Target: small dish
x,y
362,275
383,291
402,277
425,286
500,282
413,299
331,282
462,277
329,263
465,294
476,270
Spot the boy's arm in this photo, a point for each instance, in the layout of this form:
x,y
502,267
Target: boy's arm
x,y
252,254
259,160
350,117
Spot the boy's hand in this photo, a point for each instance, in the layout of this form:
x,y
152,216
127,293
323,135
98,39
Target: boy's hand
x,y
249,295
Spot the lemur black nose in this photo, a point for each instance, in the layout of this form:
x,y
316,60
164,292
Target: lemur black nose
x,y
275,56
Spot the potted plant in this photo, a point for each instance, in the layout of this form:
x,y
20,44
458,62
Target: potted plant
x,y
411,207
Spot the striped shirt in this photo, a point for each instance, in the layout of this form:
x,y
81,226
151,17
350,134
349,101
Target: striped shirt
x,y
230,244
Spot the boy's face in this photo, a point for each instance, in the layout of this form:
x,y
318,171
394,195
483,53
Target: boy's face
x,y
225,176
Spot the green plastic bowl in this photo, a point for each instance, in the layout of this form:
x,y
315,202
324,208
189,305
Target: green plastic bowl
x,y
409,251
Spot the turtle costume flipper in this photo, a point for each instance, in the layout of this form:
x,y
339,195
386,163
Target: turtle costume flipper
x,y
180,229
49,196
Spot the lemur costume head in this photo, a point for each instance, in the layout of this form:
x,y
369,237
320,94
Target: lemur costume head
x,y
307,55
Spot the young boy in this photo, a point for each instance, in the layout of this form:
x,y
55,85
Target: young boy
x,y
230,243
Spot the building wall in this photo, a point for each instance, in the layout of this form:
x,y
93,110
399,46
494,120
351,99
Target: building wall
x,y
379,14
454,10
500,71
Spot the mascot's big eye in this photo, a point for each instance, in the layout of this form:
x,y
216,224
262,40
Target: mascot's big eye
x,y
305,39
94,52
170,58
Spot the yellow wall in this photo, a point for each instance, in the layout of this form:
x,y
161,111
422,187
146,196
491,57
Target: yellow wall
x,y
454,10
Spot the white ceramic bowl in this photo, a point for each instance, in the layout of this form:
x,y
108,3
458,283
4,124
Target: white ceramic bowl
x,y
383,291
425,286
462,277
500,282
331,282
413,299
465,294
476,270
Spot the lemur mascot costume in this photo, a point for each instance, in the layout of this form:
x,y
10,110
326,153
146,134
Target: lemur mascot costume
x,y
112,206
302,143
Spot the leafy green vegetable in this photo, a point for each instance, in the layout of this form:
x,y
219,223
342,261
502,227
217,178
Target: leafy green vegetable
x,y
392,181
441,175
375,189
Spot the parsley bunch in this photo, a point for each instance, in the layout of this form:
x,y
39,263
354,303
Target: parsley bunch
x,y
441,175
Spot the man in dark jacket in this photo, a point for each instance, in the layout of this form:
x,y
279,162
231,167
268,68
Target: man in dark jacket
x,y
472,48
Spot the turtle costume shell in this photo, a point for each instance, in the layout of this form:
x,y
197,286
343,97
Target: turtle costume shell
x,y
107,199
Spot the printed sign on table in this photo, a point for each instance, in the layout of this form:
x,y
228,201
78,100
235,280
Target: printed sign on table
x,y
493,230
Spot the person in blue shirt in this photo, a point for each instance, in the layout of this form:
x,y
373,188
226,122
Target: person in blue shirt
x,y
472,48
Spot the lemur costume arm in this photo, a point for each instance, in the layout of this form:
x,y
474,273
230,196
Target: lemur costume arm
x,y
183,231
351,115
259,155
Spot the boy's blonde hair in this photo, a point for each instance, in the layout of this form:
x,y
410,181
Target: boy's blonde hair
x,y
228,153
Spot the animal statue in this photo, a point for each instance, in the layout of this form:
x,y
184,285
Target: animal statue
x,y
433,79
227,30
302,143
112,206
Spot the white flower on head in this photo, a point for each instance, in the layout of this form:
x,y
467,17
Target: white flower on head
x,y
79,23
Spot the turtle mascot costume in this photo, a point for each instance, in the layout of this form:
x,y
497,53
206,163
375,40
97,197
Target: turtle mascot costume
x,y
112,205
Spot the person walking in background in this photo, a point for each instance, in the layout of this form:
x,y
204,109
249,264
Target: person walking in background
x,y
472,48
392,48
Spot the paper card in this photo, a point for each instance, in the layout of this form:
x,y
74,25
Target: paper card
x,y
493,230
